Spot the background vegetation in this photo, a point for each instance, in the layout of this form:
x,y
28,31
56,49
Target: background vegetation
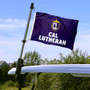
x,y
48,81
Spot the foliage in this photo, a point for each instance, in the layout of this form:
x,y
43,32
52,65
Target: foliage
x,y
16,84
13,88
66,81
9,83
76,57
44,81
50,81
13,65
4,74
32,58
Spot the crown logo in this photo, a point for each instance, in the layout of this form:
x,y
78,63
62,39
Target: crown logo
x,y
56,21
55,25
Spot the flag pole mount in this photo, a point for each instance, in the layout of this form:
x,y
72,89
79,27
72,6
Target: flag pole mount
x,y
20,60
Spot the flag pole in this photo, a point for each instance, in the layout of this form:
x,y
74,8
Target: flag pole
x,y
20,60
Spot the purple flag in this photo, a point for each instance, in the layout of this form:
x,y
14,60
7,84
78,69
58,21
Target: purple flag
x,y
54,30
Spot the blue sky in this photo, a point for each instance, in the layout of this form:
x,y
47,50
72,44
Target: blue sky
x,y
13,19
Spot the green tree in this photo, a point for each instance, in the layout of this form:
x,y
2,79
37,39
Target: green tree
x,y
4,73
32,58
75,57
44,62
67,81
14,65
44,81
55,61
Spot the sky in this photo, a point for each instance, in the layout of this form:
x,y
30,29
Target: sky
x,y
13,20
